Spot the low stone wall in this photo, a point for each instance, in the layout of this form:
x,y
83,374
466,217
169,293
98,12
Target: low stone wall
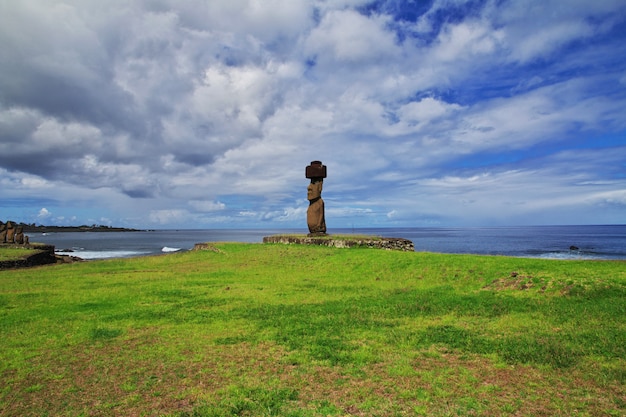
x,y
44,255
389,243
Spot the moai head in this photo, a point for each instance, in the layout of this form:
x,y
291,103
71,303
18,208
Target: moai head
x,y
314,190
316,172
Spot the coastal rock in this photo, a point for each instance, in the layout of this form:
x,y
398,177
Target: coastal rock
x,y
67,259
206,246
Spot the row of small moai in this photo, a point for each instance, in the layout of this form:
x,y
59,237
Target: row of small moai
x,y
10,233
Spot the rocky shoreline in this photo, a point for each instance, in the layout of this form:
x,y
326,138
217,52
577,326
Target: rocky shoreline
x,y
46,255
389,243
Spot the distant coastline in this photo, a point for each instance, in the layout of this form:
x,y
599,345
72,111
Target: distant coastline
x,y
32,228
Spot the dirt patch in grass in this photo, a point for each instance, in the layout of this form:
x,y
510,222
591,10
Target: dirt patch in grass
x,y
130,377
133,378
453,385
518,281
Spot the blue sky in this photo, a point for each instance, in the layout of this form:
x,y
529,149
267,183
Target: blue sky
x,y
204,114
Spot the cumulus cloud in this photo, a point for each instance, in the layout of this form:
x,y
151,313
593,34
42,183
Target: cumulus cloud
x,y
168,217
349,37
208,206
43,213
169,114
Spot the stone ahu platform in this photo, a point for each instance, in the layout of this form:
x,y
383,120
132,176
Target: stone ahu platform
x,y
345,241
41,255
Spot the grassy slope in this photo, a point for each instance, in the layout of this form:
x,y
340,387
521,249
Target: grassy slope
x,y
313,331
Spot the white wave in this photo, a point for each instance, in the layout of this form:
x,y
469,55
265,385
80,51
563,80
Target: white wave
x,y
105,254
168,249
570,255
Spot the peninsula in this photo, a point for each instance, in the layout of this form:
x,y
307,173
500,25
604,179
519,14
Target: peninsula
x,y
33,228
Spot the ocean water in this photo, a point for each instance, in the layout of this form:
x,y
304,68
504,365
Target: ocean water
x,y
553,242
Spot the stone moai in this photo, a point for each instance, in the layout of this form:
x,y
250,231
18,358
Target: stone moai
x,y
10,236
3,232
19,235
315,219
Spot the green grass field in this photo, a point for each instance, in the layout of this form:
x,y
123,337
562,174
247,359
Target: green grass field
x,y
290,330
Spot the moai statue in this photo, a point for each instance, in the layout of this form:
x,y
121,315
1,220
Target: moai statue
x,y
19,235
315,219
10,232
3,232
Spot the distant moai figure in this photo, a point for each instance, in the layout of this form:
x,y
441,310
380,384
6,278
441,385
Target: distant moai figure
x,y
19,235
3,232
315,218
10,237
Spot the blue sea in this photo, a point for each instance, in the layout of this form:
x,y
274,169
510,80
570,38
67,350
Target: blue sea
x,y
552,242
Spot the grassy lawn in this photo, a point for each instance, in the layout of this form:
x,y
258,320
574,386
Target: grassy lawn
x,y
290,330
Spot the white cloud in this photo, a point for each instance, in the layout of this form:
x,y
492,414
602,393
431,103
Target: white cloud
x,y
615,197
427,110
51,134
538,193
44,213
207,112
535,29
543,42
465,40
207,206
33,182
347,36
169,217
